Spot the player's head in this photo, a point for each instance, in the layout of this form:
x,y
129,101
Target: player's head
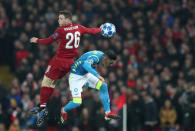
x,y
108,58
64,18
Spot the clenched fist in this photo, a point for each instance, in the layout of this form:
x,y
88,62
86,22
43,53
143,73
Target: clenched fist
x,y
33,40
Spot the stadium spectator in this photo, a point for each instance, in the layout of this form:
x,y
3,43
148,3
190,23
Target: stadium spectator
x,y
135,113
150,112
167,116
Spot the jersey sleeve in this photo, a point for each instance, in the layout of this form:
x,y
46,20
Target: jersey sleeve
x,y
85,30
87,65
55,36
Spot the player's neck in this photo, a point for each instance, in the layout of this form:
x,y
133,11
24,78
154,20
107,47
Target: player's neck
x,y
68,24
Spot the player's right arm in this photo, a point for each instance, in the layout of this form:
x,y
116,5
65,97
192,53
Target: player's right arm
x,y
46,41
87,65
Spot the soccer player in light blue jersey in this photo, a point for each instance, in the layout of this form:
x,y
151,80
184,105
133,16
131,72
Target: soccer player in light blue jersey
x,y
82,72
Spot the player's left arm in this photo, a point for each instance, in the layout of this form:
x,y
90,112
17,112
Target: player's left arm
x,y
85,30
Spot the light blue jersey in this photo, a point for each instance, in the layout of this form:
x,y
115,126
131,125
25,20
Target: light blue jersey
x,y
83,73
84,64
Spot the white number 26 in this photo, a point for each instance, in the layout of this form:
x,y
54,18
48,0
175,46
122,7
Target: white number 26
x,y
75,37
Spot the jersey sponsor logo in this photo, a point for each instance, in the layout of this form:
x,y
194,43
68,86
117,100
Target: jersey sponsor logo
x,y
76,94
55,36
71,28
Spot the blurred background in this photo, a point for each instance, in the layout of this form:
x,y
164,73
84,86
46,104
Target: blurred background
x,y
154,74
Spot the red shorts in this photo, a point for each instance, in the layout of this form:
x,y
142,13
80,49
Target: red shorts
x,y
58,67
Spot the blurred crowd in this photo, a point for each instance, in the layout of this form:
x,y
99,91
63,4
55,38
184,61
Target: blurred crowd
x,y
154,73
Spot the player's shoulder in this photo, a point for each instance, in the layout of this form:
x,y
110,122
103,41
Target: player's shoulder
x,y
95,54
59,29
75,24
80,26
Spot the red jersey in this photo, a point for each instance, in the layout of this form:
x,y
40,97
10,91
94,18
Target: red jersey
x,y
68,38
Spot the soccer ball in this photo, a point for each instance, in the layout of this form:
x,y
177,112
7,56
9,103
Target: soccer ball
x,y
108,30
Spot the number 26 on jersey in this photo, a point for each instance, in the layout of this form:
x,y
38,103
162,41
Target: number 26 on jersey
x,y
73,36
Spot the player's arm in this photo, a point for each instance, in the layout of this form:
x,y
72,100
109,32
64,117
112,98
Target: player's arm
x,y
87,65
46,41
85,30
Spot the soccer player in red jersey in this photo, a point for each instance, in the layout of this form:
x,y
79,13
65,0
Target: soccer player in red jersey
x,y
68,37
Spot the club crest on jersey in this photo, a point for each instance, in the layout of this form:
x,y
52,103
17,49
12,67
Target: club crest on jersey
x,y
55,36
75,89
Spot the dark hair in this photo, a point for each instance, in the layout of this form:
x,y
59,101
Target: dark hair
x,y
111,54
66,13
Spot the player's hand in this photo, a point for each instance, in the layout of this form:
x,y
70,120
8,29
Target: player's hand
x,y
101,26
101,78
33,40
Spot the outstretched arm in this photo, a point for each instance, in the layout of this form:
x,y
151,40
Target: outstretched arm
x,y
46,41
90,30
